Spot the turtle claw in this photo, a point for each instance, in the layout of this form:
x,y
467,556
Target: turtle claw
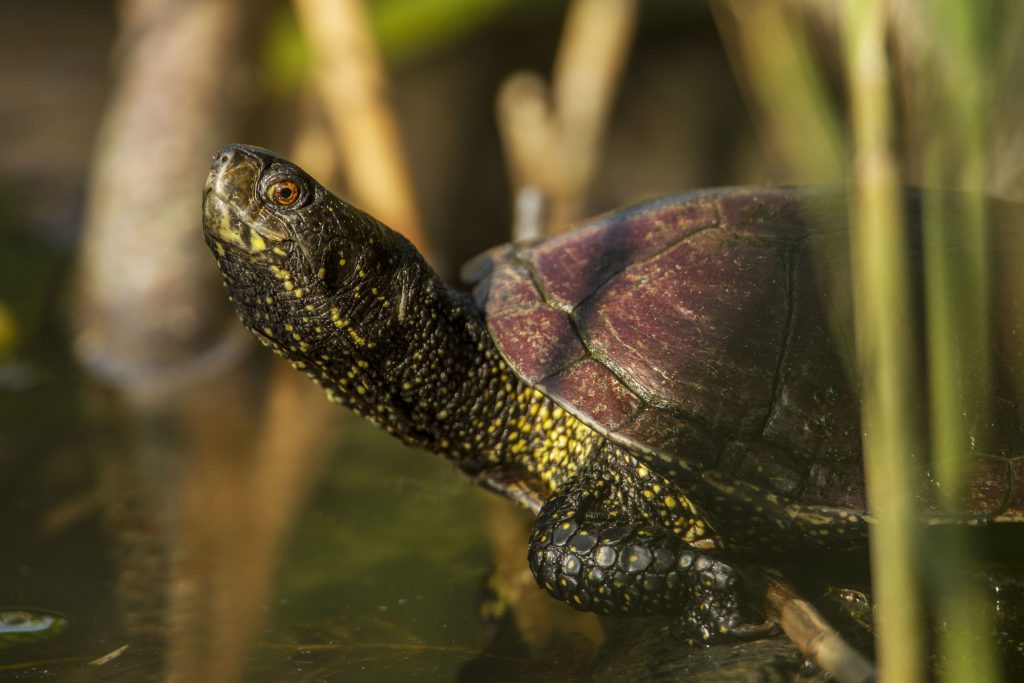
x,y
706,635
710,624
753,631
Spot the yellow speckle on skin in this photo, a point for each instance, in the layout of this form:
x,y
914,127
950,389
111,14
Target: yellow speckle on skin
x,y
267,331
280,252
298,292
225,231
322,273
337,319
280,273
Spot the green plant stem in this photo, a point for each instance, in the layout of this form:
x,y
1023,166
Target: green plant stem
x,y
881,310
959,338
771,49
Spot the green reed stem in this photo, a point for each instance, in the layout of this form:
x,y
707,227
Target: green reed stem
x,y
881,313
770,47
958,315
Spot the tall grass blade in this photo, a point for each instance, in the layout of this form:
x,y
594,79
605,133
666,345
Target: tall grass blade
x,y
881,312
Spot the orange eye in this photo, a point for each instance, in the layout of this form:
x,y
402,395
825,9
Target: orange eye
x,y
284,193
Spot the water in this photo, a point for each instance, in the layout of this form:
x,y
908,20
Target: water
x,y
379,577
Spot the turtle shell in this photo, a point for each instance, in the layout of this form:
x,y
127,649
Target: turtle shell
x,y
716,327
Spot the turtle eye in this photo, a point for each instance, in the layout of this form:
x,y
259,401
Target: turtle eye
x,y
283,193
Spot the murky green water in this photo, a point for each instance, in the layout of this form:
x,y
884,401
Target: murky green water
x,y
380,578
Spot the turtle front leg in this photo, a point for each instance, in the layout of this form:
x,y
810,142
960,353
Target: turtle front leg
x,y
614,542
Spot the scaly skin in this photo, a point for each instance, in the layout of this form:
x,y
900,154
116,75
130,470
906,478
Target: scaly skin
x,y
353,305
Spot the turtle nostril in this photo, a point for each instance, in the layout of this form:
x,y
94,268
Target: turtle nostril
x,y
222,158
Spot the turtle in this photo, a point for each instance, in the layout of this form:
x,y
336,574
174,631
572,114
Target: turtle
x,y
665,386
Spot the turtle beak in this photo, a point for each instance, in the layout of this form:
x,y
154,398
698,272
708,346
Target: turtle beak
x,y
231,208
233,175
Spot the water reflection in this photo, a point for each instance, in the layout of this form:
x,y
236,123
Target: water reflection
x,y
28,623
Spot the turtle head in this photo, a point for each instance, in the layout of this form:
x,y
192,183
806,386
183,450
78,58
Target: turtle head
x,y
304,269
351,303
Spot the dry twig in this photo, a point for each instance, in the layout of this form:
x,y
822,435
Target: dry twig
x,y
552,138
352,86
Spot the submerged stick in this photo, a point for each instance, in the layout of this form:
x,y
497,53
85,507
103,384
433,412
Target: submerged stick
x,y
813,636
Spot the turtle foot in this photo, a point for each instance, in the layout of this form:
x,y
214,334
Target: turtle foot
x,y
715,620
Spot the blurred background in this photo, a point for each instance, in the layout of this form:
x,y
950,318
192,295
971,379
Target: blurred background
x,y
178,506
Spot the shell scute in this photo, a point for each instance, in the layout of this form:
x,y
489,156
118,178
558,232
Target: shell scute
x,y
988,486
510,289
697,328
777,214
839,484
595,392
816,407
988,483
1015,500
681,438
538,340
571,266
778,470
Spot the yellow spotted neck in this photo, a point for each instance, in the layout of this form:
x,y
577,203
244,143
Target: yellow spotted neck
x,y
547,440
